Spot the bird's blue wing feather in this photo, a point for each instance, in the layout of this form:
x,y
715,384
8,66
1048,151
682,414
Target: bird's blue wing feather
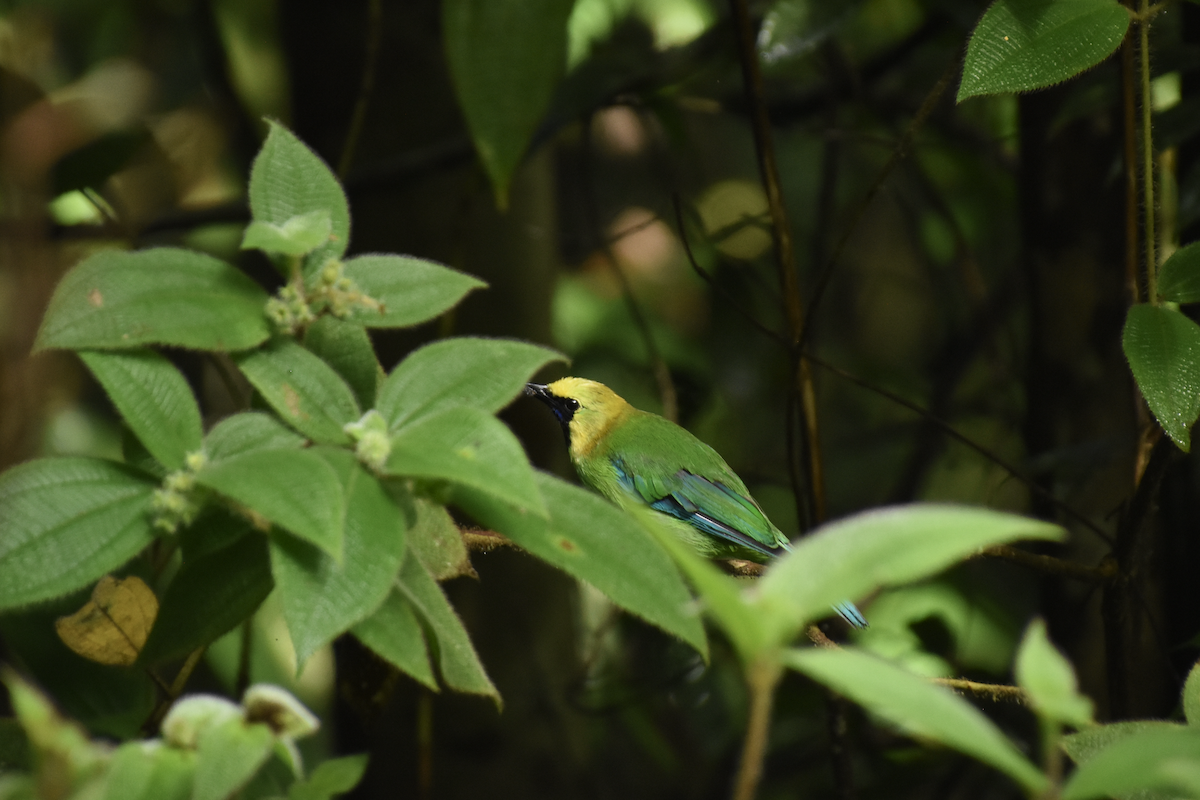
x,y
706,505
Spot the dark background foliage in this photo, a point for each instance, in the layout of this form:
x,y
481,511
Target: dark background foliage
x,y
986,280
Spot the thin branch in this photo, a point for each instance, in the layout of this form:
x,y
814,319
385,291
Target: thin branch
x,y
800,390
370,62
949,430
996,692
926,108
1147,154
1105,571
774,336
662,373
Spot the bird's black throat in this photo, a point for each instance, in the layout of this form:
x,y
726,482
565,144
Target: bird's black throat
x,y
563,407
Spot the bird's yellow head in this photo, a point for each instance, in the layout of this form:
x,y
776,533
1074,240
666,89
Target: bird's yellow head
x,y
585,409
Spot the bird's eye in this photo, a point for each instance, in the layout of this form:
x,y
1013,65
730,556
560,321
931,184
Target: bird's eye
x,y
572,404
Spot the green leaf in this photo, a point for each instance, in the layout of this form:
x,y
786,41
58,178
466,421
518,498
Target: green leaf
x,y
1191,696
394,634
295,489
852,557
303,389
481,373
437,541
287,180
470,447
593,540
919,707
1163,350
505,81
347,348
1147,759
332,777
721,594
322,598
154,398
247,432
457,660
210,596
65,523
1179,276
1084,745
1046,675
412,290
228,755
142,771
1021,45
297,236
159,296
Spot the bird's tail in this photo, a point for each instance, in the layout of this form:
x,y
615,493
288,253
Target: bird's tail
x,y
849,612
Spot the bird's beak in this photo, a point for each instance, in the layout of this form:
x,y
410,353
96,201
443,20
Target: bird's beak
x,y
561,413
537,390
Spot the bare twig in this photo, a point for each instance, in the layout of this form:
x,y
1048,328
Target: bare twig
x,y
810,505
996,692
662,373
370,60
1105,571
926,108
949,430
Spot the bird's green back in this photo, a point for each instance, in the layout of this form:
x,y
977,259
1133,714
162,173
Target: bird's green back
x,y
648,460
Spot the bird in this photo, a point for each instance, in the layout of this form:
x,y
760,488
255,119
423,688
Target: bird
x,y
636,458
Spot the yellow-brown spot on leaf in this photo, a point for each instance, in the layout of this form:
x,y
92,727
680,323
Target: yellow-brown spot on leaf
x,y
292,400
112,627
95,299
567,544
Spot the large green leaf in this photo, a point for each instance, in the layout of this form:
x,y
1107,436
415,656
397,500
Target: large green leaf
x,y
411,290
457,660
227,756
331,778
1163,350
394,633
248,431
721,594
322,598
437,541
1191,696
1151,758
160,296
287,180
470,447
154,398
295,489
593,540
303,389
852,557
506,58
139,771
1049,680
66,522
482,373
1179,276
1021,45
346,347
210,596
1085,744
916,705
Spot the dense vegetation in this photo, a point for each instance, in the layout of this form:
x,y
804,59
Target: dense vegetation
x,y
921,271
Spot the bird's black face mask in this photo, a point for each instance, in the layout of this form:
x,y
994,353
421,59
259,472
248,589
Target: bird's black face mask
x,y
564,408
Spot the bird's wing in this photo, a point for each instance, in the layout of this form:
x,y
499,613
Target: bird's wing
x,y
707,505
